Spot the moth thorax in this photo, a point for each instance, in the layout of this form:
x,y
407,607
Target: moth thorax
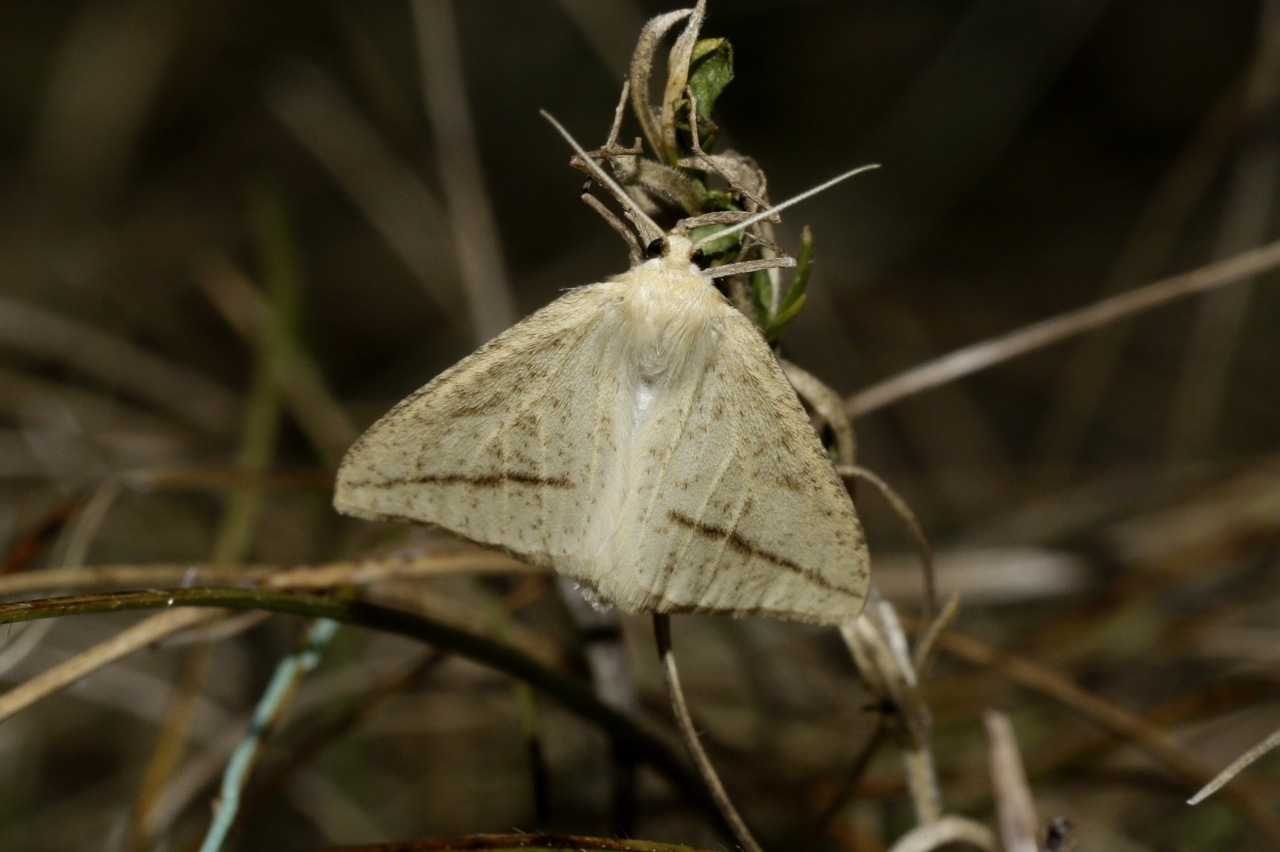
x,y
671,318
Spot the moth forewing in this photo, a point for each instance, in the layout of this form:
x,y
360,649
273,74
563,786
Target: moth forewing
x,y
492,448
639,436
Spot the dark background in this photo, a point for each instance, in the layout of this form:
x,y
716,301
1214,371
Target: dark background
x,y
1023,146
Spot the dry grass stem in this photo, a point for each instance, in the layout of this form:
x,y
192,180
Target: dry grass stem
x,y
1237,766
119,364
1015,808
477,244
943,833
971,359
392,197
103,654
1190,768
828,405
689,734
313,405
329,575
912,523
642,70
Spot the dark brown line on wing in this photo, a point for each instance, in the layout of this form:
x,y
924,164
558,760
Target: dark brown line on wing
x,y
744,546
490,480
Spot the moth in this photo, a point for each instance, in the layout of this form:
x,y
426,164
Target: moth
x,y
637,435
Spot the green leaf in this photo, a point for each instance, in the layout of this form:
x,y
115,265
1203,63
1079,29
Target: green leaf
x,y
800,275
761,292
793,298
773,330
710,71
712,199
718,251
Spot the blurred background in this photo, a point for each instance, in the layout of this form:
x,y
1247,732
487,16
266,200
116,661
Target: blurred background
x,y
174,171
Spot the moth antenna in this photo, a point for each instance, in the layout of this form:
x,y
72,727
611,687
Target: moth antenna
x,y
777,208
605,180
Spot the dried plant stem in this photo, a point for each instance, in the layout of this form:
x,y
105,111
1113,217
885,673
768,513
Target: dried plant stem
x,y
688,733
104,653
166,754
1237,766
971,359
475,230
850,783
324,576
827,403
284,682
328,575
922,782
119,364
943,833
327,426
572,694
1014,806
903,510
317,741
1103,713
271,334
391,195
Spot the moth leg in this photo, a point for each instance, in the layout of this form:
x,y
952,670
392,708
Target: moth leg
x,y
743,268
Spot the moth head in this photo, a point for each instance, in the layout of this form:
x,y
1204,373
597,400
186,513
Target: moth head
x,y
674,246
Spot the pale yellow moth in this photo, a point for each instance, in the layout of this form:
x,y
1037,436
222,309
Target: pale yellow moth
x,y
637,435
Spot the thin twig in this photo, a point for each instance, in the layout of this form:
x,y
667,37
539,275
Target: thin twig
x,y
327,425
1237,766
1246,220
322,576
391,195
971,359
288,674
474,227
1014,806
572,694
849,785
119,364
943,833
104,653
688,733
829,406
927,643
929,605
1119,722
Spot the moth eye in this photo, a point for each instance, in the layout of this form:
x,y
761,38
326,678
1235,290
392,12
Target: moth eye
x,y
656,249
699,258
